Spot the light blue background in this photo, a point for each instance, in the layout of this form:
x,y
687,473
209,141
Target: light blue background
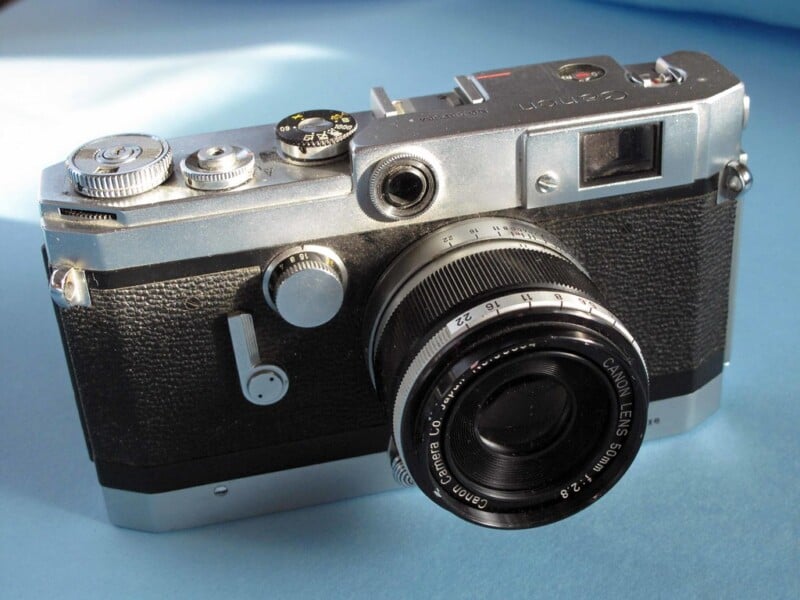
x,y
712,513
774,12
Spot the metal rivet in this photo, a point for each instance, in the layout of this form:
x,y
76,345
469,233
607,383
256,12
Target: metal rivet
x,y
68,287
735,183
736,179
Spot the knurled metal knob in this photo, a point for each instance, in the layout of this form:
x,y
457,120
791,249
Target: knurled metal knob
x,y
315,135
306,287
402,186
118,166
218,167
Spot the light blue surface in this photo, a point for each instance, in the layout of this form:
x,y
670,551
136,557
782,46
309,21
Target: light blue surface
x,y
713,513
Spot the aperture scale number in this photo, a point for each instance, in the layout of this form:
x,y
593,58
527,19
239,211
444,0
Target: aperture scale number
x,y
575,486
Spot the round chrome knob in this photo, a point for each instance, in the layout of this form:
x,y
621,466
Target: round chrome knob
x,y
306,285
218,167
267,385
120,165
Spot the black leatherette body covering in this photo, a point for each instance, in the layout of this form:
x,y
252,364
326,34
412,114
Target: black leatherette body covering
x,y
154,371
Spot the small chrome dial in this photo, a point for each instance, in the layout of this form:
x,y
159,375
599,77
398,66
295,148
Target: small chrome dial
x,y
306,285
218,167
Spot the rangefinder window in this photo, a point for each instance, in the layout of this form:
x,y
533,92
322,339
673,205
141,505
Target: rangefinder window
x,y
621,154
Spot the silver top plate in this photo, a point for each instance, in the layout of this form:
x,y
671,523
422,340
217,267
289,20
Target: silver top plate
x,y
486,156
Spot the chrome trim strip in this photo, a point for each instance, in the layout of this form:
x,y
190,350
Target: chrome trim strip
x,y
288,204
250,496
672,416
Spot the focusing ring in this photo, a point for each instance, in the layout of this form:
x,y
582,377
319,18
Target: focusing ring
x,y
473,277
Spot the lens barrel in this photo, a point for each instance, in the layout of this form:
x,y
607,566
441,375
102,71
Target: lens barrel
x,y
518,399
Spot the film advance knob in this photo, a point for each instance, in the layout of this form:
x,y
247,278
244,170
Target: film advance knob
x,y
306,286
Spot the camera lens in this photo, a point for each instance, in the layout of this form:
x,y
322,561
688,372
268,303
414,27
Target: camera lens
x,y
518,399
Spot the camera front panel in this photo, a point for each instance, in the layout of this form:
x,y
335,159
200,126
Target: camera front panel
x,y
156,381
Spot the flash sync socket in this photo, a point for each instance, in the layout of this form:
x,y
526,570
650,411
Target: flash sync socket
x,y
620,154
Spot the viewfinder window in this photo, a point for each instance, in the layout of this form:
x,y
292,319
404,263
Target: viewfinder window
x,y
621,154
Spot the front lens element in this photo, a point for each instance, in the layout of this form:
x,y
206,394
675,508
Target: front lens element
x,y
548,418
524,415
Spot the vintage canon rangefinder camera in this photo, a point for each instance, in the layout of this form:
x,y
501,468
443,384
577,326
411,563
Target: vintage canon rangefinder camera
x,y
494,293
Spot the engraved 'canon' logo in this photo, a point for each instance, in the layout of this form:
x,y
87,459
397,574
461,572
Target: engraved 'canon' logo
x,y
610,95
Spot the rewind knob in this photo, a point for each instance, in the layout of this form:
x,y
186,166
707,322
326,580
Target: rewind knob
x,y
306,285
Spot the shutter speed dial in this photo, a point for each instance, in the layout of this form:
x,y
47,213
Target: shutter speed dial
x,y
305,285
314,135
